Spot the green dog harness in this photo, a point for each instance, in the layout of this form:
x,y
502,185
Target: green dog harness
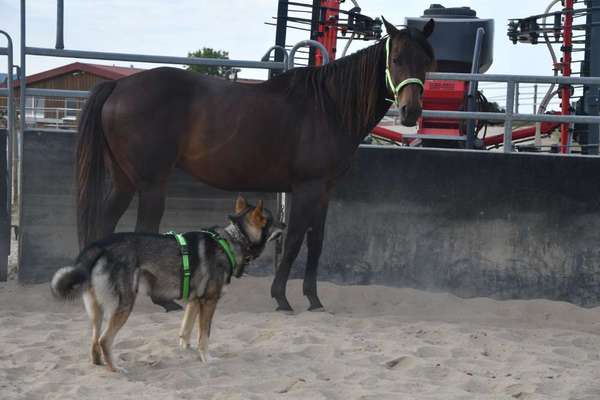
x,y
185,258
390,82
185,264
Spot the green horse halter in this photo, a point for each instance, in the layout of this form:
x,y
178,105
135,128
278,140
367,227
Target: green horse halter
x,y
390,82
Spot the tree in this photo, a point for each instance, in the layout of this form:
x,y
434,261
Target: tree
x,y
207,52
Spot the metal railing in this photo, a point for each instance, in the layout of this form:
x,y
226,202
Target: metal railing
x,y
510,116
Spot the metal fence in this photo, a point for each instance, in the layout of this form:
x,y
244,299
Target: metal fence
x,y
510,116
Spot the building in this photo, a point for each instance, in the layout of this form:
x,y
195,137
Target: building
x,y
62,112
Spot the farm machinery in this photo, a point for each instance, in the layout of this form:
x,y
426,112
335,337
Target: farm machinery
x,y
463,43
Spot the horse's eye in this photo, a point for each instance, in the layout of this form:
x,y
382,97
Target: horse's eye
x,y
397,61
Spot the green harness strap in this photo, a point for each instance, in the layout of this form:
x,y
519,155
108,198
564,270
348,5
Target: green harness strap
x,y
225,246
185,264
390,82
185,258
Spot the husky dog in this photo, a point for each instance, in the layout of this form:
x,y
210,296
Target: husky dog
x,y
107,274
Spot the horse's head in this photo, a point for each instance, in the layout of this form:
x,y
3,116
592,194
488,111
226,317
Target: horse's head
x,y
408,58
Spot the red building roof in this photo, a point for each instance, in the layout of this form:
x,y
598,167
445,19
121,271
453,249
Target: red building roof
x,y
104,71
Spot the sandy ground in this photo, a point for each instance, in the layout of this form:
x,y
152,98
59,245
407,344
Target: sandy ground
x,y
372,343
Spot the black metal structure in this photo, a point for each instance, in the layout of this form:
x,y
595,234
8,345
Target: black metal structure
x,y
589,104
294,15
5,208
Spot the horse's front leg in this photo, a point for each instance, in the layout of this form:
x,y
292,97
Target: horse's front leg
x,y
314,244
305,198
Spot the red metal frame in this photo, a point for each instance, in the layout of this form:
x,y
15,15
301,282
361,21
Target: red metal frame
x,y
328,29
566,71
523,133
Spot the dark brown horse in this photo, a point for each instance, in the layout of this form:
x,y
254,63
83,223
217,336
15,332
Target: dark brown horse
x,y
297,132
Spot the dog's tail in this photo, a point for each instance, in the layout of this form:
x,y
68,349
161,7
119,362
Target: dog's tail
x,y
69,282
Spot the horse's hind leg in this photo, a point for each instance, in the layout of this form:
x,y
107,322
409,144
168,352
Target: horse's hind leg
x,y
121,194
151,207
150,211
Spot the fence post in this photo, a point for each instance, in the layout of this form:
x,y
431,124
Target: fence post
x,y
510,99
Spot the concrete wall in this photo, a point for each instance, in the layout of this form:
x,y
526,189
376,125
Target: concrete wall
x,y
48,233
472,223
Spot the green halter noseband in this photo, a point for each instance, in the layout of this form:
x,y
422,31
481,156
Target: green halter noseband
x,y
390,82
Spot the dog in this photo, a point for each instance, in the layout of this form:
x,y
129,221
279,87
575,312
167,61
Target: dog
x,y
109,273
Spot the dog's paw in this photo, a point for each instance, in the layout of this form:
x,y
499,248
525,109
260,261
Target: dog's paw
x,y
204,357
184,344
118,370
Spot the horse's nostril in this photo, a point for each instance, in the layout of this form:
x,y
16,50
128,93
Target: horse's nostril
x,y
403,111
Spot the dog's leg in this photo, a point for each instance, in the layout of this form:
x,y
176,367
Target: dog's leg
x,y
95,313
207,311
116,321
191,312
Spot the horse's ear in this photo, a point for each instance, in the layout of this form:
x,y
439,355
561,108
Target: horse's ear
x,y
389,28
428,28
240,204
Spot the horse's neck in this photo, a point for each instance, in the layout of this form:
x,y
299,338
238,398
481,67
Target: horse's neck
x,y
368,105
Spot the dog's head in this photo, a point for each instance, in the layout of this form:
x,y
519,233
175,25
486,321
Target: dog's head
x,y
256,226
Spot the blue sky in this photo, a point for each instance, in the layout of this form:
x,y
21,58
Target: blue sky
x,y
176,27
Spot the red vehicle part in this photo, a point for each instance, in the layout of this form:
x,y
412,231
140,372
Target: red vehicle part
x,y
443,96
388,134
523,133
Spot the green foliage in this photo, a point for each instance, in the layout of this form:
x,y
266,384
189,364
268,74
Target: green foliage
x,y
207,52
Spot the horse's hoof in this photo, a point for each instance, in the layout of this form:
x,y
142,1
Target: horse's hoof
x,y
315,303
283,305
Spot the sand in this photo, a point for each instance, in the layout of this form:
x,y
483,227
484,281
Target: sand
x,y
373,343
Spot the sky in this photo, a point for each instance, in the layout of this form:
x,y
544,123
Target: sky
x,y
238,26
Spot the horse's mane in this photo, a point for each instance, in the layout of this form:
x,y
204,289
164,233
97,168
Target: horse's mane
x,y
348,88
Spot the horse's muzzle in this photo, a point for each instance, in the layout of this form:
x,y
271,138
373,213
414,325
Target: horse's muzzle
x,y
409,115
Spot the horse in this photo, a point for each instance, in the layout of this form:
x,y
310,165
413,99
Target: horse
x,y
297,132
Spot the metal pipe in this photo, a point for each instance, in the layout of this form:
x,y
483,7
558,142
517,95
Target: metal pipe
x,y
56,93
517,94
60,14
281,213
99,55
455,76
23,124
282,50
10,145
510,98
548,96
311,44
471,103
577,119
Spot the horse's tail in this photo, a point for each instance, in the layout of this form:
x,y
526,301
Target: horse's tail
x,y
90,174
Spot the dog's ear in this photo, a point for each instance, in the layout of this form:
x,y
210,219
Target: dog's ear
x,y
257,218
389,28
276,234
240,204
